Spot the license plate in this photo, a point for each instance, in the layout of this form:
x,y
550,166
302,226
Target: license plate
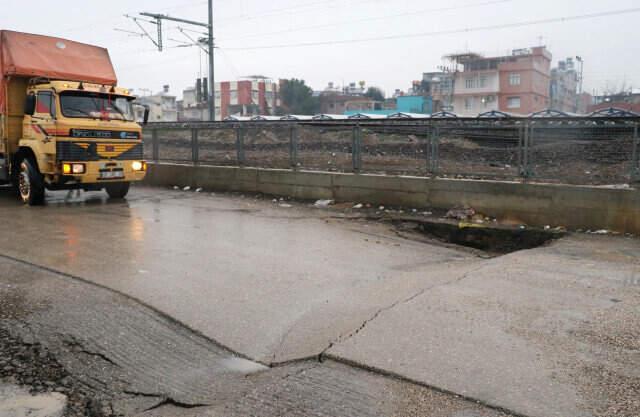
x,y
111,175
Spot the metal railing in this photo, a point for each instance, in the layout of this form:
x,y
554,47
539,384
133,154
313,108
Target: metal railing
x,y
573,150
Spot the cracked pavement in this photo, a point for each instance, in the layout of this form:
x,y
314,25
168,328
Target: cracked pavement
x,y
268,285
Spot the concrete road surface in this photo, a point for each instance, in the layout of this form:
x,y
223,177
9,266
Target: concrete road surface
x,y
544,332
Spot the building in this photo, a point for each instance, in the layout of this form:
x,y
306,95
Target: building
x,y
629,101
253,97
338,103
564,87
162,106
439,87
194,106
517,83
414,104
349,99
257,96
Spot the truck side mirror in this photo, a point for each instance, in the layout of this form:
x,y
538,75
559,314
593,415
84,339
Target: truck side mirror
x,y
30,105
145,119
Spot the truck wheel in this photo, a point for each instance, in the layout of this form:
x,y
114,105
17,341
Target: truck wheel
x,y
30,183
117,190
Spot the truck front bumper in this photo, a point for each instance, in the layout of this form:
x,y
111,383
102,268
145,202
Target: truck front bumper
x,y
98,172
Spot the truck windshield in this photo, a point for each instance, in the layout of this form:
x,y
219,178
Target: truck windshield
x,y
96,106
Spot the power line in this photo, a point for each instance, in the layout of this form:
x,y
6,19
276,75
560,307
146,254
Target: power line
x,y
283,10
113,17
371,19
443,32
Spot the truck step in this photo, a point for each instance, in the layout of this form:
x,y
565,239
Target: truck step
x,y
4,170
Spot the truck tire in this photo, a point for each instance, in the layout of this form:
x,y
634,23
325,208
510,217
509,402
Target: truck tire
x,y
117,190
30,182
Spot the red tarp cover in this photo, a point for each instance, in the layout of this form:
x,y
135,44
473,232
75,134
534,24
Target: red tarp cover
x,y
24,54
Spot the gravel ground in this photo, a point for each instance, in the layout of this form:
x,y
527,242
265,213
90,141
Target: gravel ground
x,y
31,365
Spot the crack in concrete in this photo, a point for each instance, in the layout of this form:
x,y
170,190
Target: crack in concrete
x,y
344,338
163,400
76,346
301,371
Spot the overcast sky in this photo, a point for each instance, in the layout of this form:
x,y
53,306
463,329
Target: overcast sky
x,y
608,44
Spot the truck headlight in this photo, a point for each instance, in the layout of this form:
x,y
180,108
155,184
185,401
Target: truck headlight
x,y
74,169
139,165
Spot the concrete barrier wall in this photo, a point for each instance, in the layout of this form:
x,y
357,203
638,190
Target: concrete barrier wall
x,y
533,204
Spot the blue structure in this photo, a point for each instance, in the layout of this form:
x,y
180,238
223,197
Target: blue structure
x,y
415,104
404,104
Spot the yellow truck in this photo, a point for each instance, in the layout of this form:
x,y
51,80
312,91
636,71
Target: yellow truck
x,y
64,122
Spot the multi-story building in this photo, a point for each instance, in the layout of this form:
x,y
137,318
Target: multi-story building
x,y
162,106
253,97
564,87
516,83
438,86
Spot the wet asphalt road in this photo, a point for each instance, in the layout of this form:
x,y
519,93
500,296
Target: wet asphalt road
x,y
545,332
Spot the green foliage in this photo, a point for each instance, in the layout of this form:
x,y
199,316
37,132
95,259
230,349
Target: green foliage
x,y
297,98
375,93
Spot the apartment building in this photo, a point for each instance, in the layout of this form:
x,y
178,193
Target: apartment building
x,y
517,83
257,96
162,106
252,97
564,87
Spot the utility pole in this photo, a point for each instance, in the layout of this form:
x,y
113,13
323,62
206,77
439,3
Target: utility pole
x,y
580,82
212,80
158,18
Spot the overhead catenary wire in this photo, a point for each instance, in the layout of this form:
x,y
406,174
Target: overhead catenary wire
x,y
442,32
285,10
374,18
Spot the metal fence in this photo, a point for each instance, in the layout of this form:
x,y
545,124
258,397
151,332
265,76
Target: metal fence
x,y
572,150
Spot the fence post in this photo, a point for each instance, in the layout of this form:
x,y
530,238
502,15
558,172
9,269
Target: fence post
x,y
155,151
240,145
635,162
293,147
525,171
434,147
520,149
195,158
356,148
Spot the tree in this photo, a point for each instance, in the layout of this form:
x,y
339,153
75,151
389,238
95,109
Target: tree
x,y
297,98
375,93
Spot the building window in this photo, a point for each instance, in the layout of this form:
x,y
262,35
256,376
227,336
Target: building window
x,y
513,102
234,94
470,83
514,78
483,81
468,103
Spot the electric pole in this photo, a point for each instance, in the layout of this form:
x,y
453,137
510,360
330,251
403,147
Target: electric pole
x,y
157,20
212,80
580,83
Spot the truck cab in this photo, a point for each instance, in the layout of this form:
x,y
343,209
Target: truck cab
x,y
77,135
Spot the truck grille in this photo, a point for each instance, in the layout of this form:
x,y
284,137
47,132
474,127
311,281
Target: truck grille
x,y
95,151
